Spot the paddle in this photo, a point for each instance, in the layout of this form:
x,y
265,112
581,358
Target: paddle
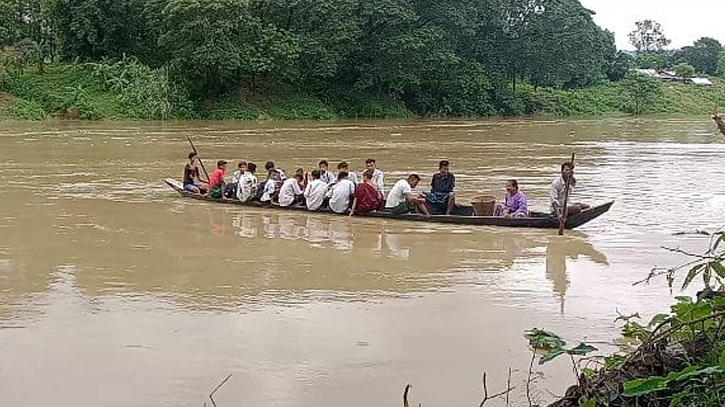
x,y
565,209
199,157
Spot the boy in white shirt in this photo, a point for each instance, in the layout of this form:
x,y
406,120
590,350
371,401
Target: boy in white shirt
x,y
378,181
291,192
315,192
247,185
342,193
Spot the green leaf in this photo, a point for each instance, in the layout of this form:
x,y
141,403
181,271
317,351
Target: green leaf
x,y
582,349
691,275
588,403
540,339
722,360
718,241
718,268
551,355
640,387
691,371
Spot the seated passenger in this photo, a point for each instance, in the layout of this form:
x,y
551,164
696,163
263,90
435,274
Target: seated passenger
x,y
372,165
368,197
247,184
191,176
325,175
345,167
291,191
216,180
271,187
401,199
557,192
315,192
441,197
342,193
230,191
515,205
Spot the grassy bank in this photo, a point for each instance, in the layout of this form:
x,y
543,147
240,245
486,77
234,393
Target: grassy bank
x,y
134,91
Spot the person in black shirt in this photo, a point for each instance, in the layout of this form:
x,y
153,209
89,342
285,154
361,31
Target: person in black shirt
x,y
442,195
191,176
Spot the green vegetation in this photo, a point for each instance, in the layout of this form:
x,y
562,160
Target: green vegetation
x,y
325,59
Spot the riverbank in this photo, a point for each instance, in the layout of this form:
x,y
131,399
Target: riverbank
x,y
88,93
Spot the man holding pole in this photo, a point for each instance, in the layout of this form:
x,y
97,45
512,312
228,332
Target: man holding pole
x,y
192,183
561,189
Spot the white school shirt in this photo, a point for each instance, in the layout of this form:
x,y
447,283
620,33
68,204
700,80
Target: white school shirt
x,y
341,194
290,189
378,181
397,195
269,187
315,194
328,177
247,184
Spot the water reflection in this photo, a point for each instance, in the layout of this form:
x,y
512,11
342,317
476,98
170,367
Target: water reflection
x,y
558,249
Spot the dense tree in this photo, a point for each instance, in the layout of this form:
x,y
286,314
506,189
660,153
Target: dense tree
x,y
641,91
704,55
438,57
721,65
648,37
684,70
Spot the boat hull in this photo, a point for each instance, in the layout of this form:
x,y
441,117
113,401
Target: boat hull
x,y
538,220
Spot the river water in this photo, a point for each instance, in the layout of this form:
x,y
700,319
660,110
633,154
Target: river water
x,y
116,292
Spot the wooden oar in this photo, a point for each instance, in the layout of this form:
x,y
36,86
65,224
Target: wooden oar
x,y
199,157
565,209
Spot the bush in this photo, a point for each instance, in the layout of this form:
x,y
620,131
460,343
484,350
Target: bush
x,y
26,110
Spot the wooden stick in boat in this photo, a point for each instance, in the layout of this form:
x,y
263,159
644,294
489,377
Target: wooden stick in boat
x,y
565,209
720,123
199,157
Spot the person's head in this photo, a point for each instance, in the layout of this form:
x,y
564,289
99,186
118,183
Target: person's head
x,y
443,166
370,164
221,164
367,175
316,174
192,157
343,167
252,167
342,175
512,186
413,180
324,165
273,174
269,165
242,166
300,172
567,169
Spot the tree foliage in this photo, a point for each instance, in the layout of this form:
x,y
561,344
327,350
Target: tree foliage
x,y
703,55
642,92
648,37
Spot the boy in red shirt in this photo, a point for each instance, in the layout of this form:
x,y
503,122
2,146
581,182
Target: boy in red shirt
x,y
216,179
368,197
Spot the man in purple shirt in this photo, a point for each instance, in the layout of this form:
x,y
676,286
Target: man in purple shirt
x,y
515,205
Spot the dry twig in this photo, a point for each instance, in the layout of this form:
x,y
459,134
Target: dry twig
x,y
213,392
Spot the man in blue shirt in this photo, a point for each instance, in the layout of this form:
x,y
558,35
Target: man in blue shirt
x,y
442,193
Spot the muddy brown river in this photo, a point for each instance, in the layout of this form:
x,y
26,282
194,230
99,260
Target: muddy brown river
x,y
116,292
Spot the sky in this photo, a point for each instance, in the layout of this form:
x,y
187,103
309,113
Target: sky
x,y
682,21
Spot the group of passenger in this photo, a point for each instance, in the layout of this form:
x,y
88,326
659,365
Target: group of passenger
x,y
344,193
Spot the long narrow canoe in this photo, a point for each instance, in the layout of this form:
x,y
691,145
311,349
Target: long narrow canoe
x,y
463,215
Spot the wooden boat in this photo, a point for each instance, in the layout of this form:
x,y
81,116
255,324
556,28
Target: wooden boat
x,y
463,215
